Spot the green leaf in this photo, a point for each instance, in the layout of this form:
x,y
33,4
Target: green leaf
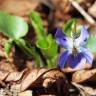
x,y
78,29
49,47
52,63
52,50
49,50
42,44
8,46
69,28
37,24
29,51
39,29
12,26
91,44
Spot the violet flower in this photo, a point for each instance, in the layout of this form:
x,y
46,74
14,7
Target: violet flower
x,y
75,55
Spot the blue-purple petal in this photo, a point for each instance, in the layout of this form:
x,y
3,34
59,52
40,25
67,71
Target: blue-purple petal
x,y
88,55
76,61
62,59
82,39
62,39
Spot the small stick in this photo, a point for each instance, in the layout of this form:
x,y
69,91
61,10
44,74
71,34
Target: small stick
x,y
83,12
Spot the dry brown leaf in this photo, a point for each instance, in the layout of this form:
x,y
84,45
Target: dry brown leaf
x,y
46,79
84,76
88,91
38,78
3,74
25,93
31,77
52,76
15,76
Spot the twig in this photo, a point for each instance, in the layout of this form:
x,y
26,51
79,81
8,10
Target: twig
x,y
83,12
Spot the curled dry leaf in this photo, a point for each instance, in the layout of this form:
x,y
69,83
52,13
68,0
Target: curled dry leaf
x,y
46,79
84,76
52,76
55,78
51,80
31,77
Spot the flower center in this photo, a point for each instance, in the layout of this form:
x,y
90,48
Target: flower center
x,y
74,51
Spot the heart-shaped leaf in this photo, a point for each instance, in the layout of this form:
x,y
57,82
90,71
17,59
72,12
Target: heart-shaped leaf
x,y
12,26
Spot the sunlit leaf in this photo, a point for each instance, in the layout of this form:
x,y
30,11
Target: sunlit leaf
x,y
47,44
42,44
49,48
70,28
12,26
37,24
53,49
